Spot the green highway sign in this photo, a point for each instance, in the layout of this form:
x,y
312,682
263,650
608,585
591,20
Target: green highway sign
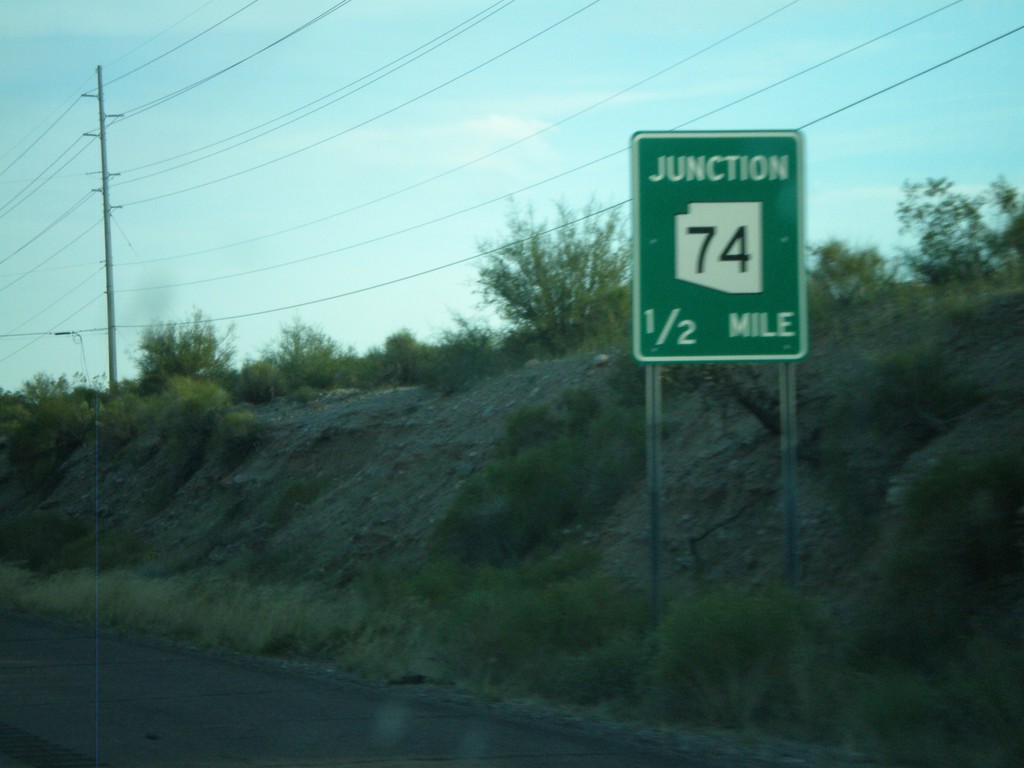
x,y
718,247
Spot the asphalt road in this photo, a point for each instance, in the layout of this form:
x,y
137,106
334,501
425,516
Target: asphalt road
x,y
148,704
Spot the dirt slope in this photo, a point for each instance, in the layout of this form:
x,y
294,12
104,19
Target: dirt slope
x,y
354,478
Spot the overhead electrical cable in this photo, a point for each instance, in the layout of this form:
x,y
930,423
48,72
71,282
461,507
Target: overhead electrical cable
x,y
914,76
48,227
57,301
25,194
813,67
510,145
52,332
478,255
202,81
620,204
366,122
180,45
399,279
520,190
391,67
53,255
40,137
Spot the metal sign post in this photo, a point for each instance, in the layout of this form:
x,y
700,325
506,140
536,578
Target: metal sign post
x,y
653,398
787,417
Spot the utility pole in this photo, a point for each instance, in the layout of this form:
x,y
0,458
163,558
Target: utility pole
x,y
108,261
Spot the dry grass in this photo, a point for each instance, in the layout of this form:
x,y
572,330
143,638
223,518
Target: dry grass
x,y
293,619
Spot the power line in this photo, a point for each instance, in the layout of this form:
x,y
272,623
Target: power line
x,y
402,279
202,81
526,188
478,255
394,65
24,194
508,146
54,303
40,137
180,45
813,67
48,227
52,256
366,122
915,76
497,249
51,332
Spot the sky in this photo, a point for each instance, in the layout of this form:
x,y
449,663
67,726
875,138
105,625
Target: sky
x,y
343,164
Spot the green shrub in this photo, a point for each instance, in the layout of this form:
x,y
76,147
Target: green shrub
x,y
463,356
887,410
186,414
259,382
295,495
734,658
403,360
40,541
917,394
987,688
958,539
510,629
44,425
308,357
48,543
117,549
188,408
122,418
191,348
532,426
236,434
905,717
549,477
841,275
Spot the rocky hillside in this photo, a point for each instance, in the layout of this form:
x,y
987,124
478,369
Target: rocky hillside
x,y
352,478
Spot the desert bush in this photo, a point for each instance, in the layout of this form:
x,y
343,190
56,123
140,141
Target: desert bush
x,y
959,537
185,416
236,434
259,382
123,416
559,287
188,409
403,360
295,495
987,688
842,275
40,541
962,237
892,406
462,356
549,477
736,658
529,628
917,393
308,357
904,717
44,424
190,348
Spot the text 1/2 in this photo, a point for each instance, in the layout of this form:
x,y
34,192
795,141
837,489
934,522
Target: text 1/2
x,y
686,328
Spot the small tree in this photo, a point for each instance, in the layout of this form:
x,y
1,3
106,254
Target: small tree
x,y
307,357
959,238
559,286
848,275
190,348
